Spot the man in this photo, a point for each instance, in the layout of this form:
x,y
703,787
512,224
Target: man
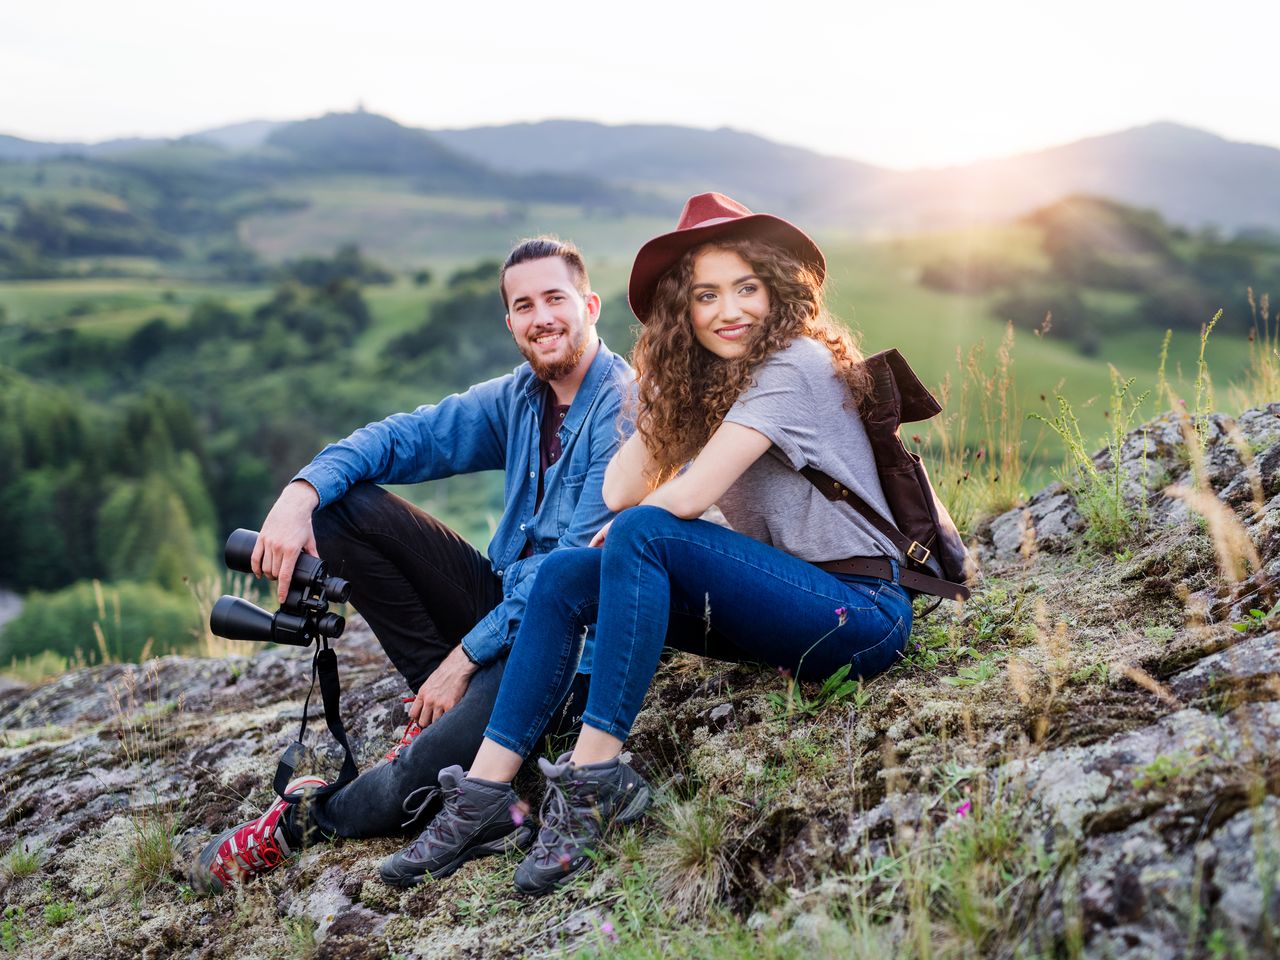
x,y
444,613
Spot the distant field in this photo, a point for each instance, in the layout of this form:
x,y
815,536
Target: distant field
x,y
401,227
873,286
114,306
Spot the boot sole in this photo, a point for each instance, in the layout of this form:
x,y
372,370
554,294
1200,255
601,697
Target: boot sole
x,y
519,839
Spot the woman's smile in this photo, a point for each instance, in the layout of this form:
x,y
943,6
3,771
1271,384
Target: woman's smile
x,y
732,331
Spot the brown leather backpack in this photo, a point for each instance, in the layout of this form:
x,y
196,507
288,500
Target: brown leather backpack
x,y
936,561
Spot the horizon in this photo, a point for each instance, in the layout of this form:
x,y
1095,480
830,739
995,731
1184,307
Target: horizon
x,y
358,108
922,85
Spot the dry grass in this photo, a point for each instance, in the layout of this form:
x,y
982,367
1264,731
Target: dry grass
x,y
692,862
146,730
977,480
206,593
1262,379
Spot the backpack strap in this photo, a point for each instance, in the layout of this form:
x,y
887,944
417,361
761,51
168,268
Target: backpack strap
x,y
914,551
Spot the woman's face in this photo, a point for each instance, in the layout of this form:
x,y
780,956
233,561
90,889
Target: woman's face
x,y
726,300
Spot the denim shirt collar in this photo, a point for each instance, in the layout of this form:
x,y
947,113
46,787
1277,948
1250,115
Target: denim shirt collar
x,y
597,376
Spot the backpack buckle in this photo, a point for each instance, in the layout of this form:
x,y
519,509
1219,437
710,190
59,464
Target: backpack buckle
x,y
924,553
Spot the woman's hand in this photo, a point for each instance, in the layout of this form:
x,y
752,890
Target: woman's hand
x,y
601,534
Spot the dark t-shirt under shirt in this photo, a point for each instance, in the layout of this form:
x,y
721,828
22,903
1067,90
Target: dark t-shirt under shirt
x,y
550,448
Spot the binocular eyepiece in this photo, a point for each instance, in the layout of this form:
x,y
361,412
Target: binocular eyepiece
x,y
304,616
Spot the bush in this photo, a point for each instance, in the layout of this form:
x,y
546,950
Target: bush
x,y
969,275
91,623
1027,307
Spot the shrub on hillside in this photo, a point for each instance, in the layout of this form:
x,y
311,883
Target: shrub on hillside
x,y
93,623
969,275
1027,307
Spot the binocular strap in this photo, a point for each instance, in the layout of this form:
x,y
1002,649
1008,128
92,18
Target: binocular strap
x,y
324,666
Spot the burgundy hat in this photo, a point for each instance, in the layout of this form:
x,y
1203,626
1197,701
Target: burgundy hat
x,y
706,217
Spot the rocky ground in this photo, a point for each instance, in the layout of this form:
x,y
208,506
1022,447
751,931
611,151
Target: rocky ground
x,y
1081,762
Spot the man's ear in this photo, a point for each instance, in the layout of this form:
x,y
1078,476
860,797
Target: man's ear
x,y
593,307
507,320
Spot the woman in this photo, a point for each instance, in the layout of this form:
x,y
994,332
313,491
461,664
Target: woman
x,y
743,379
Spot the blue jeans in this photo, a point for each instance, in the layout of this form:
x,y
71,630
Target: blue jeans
x,y
662,581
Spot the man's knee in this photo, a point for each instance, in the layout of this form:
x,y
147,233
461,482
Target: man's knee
x,y
345,513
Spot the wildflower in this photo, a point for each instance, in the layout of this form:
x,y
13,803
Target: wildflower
x,y
963,810
564,862
519,810
916,438
607,929
843,614
784,673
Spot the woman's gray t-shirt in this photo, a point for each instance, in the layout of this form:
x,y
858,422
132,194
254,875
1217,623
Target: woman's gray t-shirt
x,y
800,403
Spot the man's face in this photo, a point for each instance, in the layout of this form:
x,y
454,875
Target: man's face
x,y
553,324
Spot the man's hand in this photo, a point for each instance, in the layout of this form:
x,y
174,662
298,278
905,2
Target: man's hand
x,y
285,533
443,689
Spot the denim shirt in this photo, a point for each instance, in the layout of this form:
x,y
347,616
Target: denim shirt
x,y
496,425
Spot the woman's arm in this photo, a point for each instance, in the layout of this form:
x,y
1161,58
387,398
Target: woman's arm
x,y
731,449
626,479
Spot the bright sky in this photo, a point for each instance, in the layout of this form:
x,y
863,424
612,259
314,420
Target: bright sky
x,y
904,83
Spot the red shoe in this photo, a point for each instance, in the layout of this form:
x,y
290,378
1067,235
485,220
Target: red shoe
x,y
257,846
411,731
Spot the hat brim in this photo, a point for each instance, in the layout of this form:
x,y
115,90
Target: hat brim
x,y
663,252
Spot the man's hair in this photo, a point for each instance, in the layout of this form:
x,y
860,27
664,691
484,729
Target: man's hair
x,y
540,248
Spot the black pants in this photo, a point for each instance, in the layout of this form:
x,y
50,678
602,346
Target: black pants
x,y
421,587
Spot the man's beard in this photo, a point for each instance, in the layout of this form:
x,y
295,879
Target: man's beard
x,y
557,369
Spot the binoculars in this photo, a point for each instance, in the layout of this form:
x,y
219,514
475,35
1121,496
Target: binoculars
x,y
304,616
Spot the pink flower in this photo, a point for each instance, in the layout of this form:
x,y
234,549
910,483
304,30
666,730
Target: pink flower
x,y
784,672
963,809
843,614
519,810
607,929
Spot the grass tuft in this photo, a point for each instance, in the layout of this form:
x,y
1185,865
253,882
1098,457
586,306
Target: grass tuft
x,y
1110,520
980,467
146,730
692,862
21,861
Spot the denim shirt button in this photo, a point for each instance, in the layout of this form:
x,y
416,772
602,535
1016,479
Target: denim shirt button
x,y
522,526
532,474
499,573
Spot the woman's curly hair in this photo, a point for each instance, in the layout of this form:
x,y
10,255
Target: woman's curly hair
x,y
685,390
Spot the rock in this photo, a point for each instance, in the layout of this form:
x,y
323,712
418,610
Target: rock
x,y
719,716
1106,707
1048,522
1249,669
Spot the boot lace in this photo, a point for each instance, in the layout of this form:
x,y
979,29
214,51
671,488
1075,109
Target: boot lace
x,y
566,826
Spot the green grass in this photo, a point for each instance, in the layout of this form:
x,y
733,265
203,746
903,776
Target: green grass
x,y
20,861
114,307
399,226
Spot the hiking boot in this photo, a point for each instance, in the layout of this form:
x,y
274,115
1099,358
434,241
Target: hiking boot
x,y
580,804
257,846
411,731
478,818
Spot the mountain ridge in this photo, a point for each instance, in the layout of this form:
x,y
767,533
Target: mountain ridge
x,y
1190,175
